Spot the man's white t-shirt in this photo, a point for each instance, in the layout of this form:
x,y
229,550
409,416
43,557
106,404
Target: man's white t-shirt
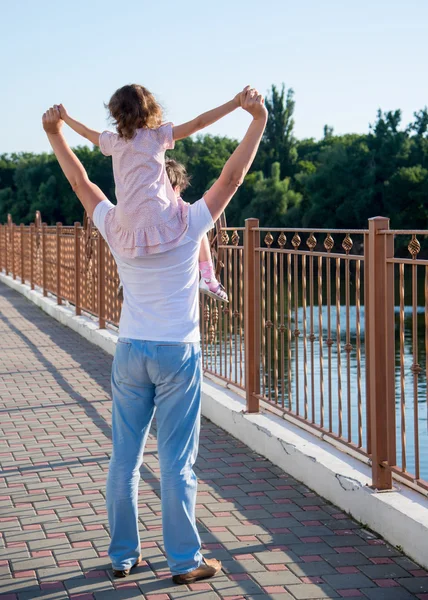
x,y
161,291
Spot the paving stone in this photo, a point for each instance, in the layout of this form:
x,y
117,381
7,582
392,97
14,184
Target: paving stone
x,y
416,585
388,594
312,548
82,585
339,541
347,559
58,573
34,563
120,594
15,586
348,581
312,531
311,569
389,571
195,595
271,596
274,558
269,578
382,550
241,566
307,591
44,594
237,547
286,539
227,587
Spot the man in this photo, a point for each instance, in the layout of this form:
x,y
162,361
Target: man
x,y
157,364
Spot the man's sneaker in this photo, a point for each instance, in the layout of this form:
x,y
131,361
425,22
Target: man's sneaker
x,y
213,288
125,572
208,568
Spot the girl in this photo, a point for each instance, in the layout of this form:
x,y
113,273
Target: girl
x,y
149,217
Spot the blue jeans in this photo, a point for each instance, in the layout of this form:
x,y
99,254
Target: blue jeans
x,y
166,377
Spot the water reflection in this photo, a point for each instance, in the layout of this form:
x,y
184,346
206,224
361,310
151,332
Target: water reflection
x,y
343,382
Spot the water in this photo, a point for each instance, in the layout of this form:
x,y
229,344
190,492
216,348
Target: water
x,y
344,376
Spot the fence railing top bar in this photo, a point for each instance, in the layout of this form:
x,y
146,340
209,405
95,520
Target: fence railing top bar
x,y
323,254
420,262
402,232
305,230
233,228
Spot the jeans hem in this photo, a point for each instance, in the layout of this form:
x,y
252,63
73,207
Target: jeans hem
x,y
173,573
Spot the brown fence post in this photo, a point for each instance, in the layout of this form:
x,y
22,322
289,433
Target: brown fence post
x,y
12,229
21,227
32,256
58,263
77,268
45,293
252,314
380,357
5,249
101,281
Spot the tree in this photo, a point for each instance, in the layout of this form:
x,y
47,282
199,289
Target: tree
x,y
272,199
328,132
340,192
278,143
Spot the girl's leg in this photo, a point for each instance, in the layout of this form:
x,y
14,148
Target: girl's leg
x,y
209,283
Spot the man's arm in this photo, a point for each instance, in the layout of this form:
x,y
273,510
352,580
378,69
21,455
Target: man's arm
x,y
207,118
90,134
234,171
88,193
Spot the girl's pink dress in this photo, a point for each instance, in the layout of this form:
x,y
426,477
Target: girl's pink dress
x,y
148,218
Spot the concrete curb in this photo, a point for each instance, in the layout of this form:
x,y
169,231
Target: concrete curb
x,y
400,516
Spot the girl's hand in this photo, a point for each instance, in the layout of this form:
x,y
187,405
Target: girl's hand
x,y
238,98
62,112
254,103
51,120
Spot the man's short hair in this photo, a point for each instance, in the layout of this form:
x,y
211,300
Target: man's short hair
x,y
177,174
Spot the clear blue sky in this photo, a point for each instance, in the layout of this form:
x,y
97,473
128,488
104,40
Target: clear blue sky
x,y
343,58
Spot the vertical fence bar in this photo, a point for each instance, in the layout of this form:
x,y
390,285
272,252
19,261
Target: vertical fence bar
x,y
77,269
32,256
5,228
339,350
367,333
101,281
415,368
402,371
58,263
13,250
305,337
321,339
44,229
252,314
21,227
380,350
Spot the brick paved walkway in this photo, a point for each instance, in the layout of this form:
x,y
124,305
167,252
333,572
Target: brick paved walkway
x,y
275,537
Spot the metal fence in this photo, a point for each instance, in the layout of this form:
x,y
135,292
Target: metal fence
x,y
328,327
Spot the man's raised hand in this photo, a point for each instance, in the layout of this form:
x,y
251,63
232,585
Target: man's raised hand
x,y
51,120
254,103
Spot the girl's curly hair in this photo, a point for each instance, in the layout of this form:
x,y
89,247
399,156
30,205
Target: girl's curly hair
x,y
133,107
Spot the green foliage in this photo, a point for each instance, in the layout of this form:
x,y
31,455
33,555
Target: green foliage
x,y
278,143
334,182
273,201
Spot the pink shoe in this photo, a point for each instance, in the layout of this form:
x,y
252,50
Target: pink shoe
x,y
211,287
